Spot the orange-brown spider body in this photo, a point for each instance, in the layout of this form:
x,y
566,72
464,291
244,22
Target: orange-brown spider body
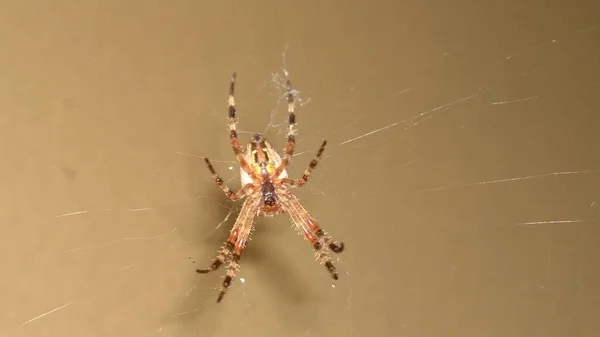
x,y
267,189
263,161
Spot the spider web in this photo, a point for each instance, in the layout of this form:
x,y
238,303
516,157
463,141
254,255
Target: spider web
x,y
275,87
141,253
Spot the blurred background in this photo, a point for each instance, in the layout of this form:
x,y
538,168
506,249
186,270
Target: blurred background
x,y
462,172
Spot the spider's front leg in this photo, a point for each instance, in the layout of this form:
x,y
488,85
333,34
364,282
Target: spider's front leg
x,y
233,137
228,192
291,135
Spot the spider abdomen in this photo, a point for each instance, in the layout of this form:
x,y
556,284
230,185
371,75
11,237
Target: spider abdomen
x,y
268,194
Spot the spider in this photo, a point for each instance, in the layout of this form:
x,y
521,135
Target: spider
x,y
267,189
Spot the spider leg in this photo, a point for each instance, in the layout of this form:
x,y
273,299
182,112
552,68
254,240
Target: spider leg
x,y
244,225
291,135
313,163
226,251
231,251
224,254
321,242
230,194
233,138
336,247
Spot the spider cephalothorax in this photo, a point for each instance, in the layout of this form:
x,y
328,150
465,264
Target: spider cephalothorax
x,y
267,188
264,160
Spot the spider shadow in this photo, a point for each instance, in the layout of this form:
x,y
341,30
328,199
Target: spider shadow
x,y
202,292
286,286
278,274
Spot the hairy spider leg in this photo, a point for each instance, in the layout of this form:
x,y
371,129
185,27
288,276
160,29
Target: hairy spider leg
x,y
233,137
231,251
228,192
291,135
307,225
244,223
313,164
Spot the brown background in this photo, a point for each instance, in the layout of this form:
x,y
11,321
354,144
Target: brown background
x,y
462,173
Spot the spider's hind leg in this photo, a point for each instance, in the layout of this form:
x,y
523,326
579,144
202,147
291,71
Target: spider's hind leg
x,y
232,249
232,268
246,219
224,255
321,242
